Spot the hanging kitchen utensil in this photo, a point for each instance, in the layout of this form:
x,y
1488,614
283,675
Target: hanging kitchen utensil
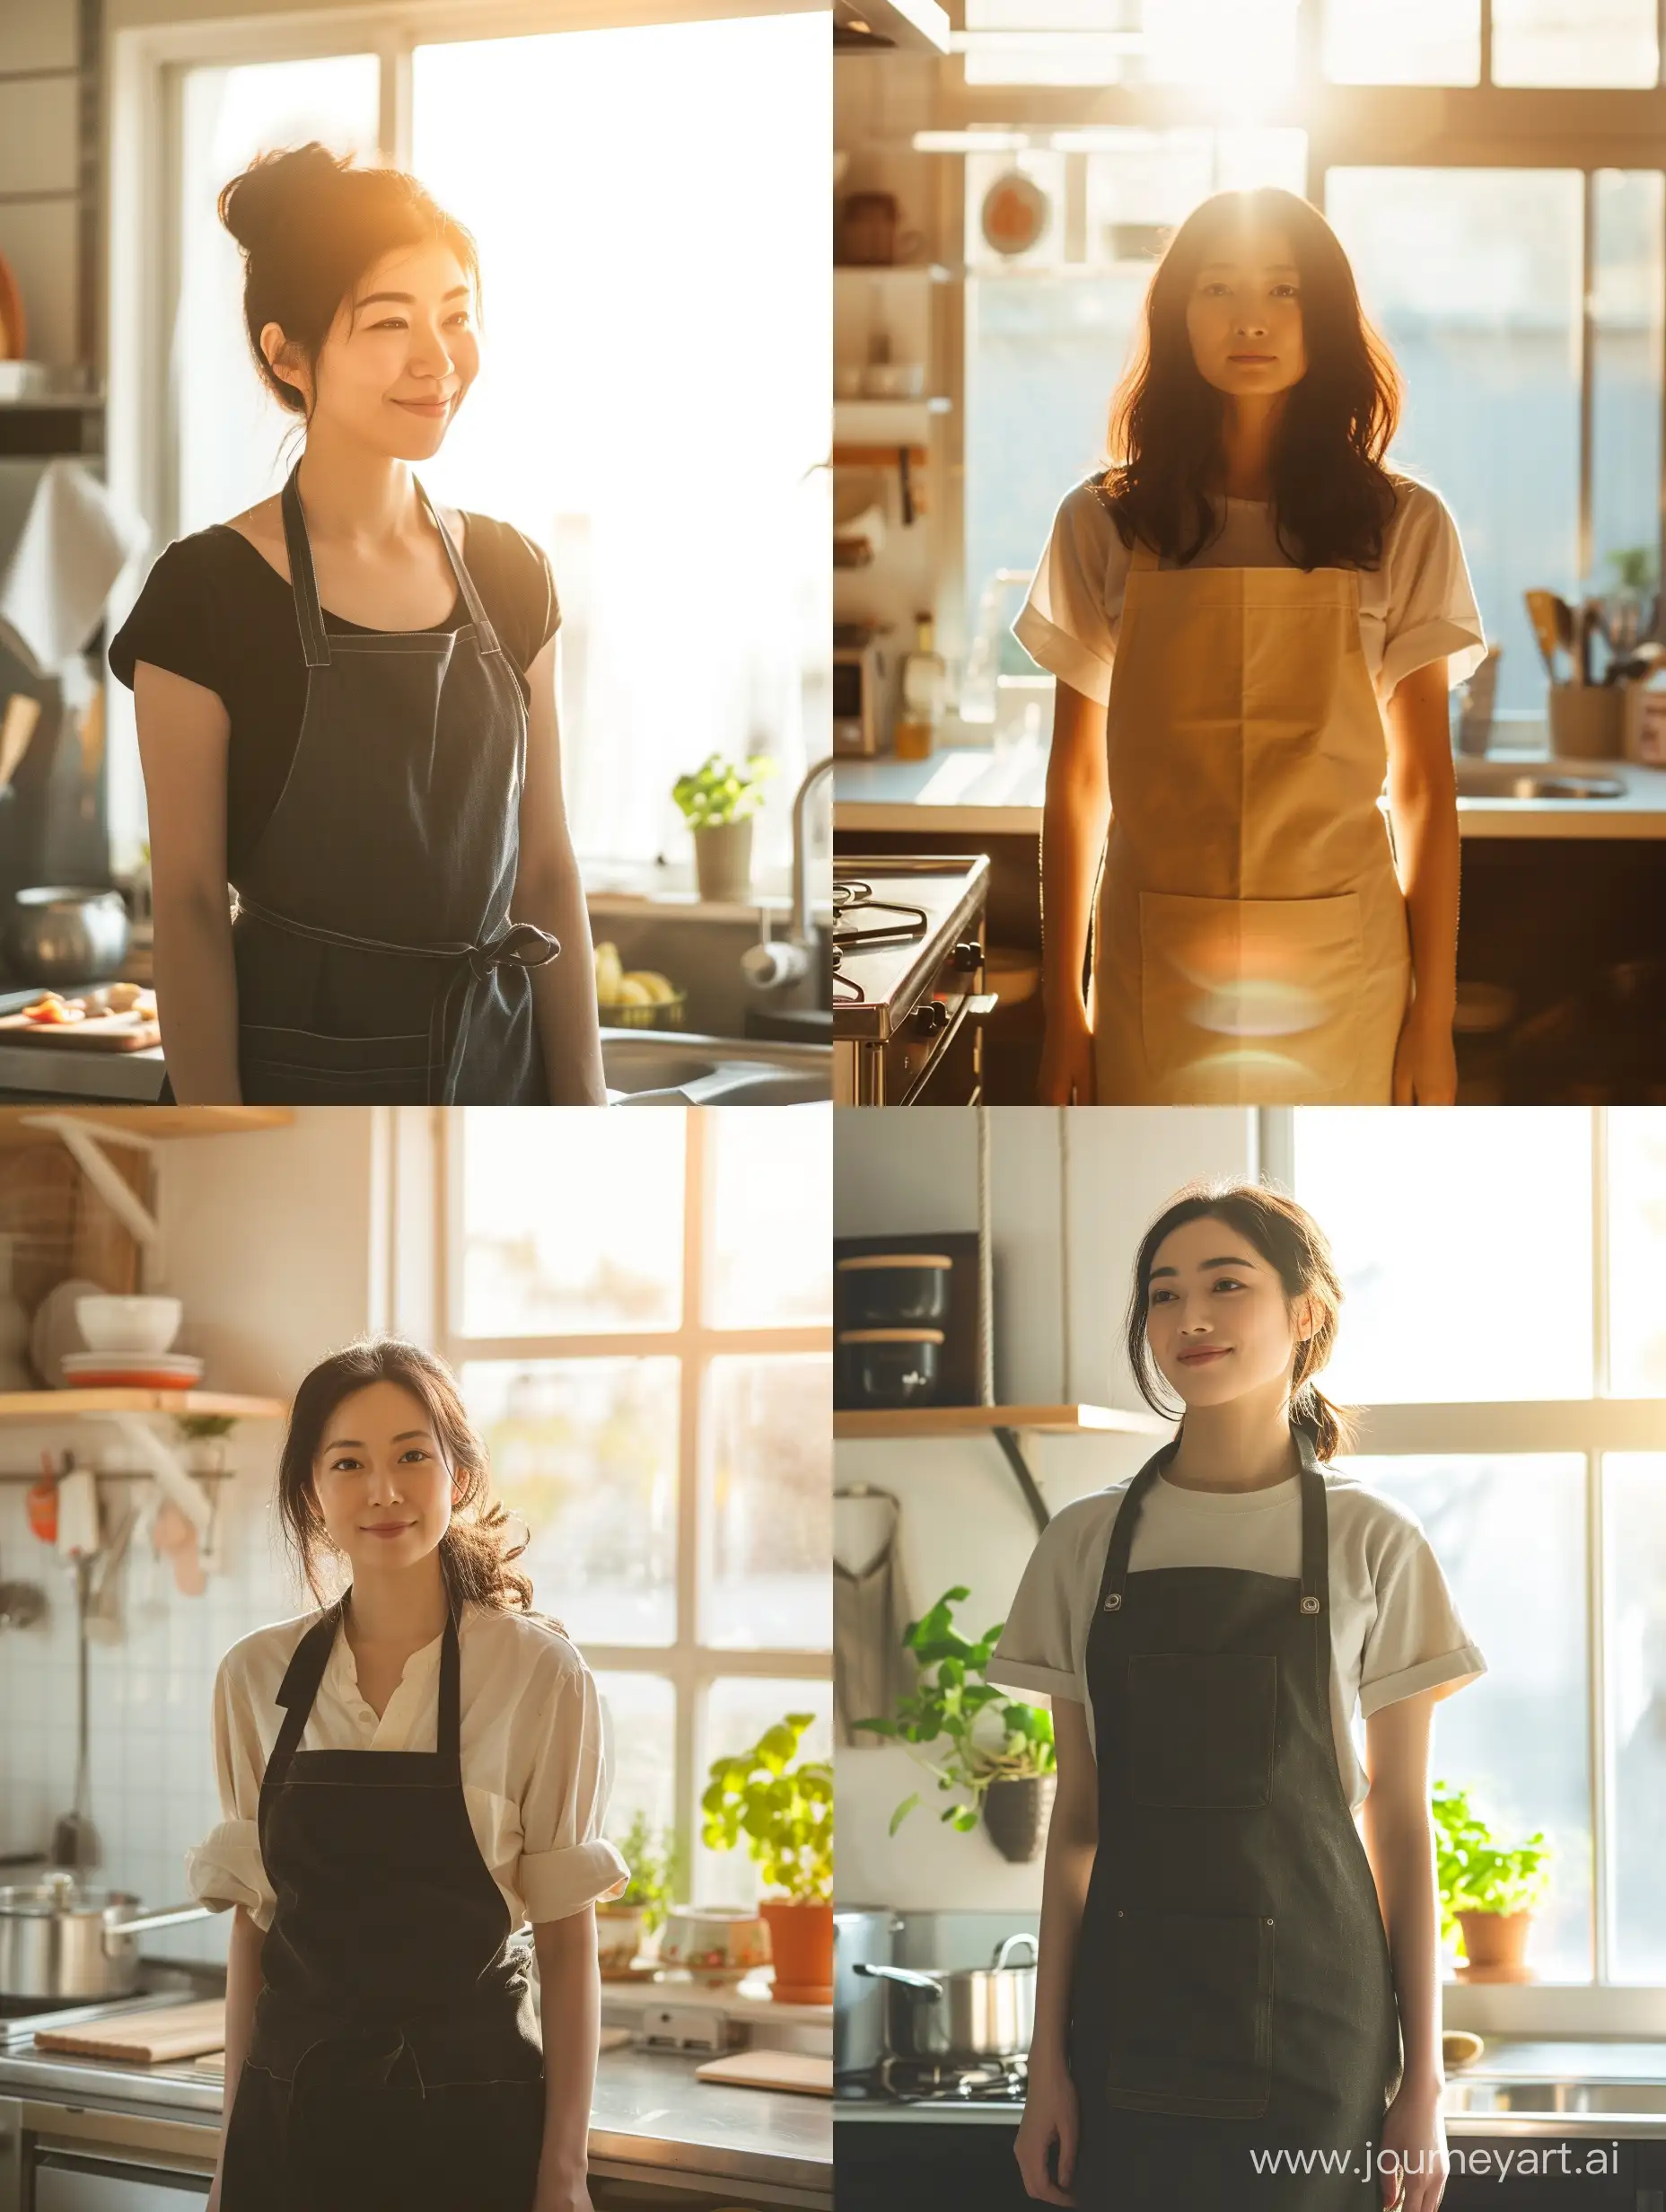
x,y
75,1844
1541,612
1568,633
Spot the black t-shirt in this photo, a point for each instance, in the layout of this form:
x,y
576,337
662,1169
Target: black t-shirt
x,y
214,610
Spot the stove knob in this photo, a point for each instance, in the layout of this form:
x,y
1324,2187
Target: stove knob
x,y
932,1016
969,956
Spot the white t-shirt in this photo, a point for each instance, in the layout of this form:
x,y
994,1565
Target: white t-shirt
x,y
1415,607
1394,1629
535,1780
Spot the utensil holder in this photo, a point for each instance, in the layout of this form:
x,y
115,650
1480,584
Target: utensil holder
x,y
1586,721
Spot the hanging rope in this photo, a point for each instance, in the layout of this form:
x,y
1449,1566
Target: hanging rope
x,y
986,1265
1065,1373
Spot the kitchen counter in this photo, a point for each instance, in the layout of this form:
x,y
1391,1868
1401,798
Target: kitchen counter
x,y
64,1071
651,2118
972,791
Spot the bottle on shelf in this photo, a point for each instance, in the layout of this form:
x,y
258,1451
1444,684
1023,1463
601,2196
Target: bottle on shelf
x,y
925,690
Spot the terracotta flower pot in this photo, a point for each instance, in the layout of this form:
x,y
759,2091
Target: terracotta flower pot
x,y
801,1943
1494,1946
1016,1814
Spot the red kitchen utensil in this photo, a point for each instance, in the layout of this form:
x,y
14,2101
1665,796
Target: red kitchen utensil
x,y
42,1503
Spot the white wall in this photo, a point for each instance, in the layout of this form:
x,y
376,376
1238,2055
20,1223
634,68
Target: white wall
x,y
963,1520
39,154
271,1240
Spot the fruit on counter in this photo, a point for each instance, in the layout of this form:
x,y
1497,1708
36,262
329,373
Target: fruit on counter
x,y
609,973
124,997
52,1010
617,986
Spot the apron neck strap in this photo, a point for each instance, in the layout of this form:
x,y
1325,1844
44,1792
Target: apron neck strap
x,y
300,1686
1315,1537
302,581
486,636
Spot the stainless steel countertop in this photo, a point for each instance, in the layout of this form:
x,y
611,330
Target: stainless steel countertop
x,y
1542,2072
649,2112
132,1078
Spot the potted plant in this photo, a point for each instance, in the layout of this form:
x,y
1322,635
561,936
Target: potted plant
x,y
205,1436
718,801
1488,1891
783,1813
628,1925
995,1751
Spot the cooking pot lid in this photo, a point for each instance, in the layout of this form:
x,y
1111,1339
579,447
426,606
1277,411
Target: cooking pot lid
x,y
46,1898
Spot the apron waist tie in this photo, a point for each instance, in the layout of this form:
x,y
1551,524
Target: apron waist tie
x,y
521,944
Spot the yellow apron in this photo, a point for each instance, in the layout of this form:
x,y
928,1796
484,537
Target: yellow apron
x,y
1251,945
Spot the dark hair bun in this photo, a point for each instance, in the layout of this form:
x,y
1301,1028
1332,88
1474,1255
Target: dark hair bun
x,y
263,205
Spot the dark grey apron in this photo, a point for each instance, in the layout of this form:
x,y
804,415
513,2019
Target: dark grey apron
x,y
1233,1991
376,960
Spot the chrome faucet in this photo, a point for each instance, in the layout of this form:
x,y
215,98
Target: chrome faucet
x,y
773,964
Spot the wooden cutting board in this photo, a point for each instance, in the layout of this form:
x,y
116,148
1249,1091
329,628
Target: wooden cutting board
x,y
146,2039
771,2069
100,1033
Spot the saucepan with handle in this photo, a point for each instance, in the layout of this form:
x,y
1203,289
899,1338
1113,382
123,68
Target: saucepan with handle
x,y
60,1941
960,2013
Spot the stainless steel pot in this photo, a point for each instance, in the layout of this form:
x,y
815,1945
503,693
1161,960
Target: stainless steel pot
x,y
961,2013
61,934
58,1940
862,1935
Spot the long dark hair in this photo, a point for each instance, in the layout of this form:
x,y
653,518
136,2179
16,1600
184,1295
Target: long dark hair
x,y
310,225
476,1551
1332,498
1294,1245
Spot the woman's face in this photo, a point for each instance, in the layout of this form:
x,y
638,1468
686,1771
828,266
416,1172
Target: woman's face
x,y
1244,314
1217,1320
399,357
381,1479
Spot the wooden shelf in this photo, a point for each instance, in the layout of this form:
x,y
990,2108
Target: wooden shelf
x,y
983,1420
145,1122
45,1405
868,410
895,272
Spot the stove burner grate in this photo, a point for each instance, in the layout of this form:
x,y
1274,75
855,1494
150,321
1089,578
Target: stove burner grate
x,y
851,895
926,2080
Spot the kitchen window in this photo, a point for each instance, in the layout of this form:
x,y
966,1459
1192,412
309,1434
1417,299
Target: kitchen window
x,y
1516,260
1514,1378
645,1340
650,204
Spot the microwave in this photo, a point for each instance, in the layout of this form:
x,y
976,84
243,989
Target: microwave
x,y
858,698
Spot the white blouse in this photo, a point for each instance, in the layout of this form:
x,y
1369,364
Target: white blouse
x,y
534,1771
1394,1628
1414,608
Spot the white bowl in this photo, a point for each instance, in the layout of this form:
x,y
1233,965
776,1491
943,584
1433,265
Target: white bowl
x,y
109,1324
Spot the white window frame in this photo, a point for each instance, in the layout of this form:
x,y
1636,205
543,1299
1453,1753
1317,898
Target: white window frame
x,y
688,1664
1587,1428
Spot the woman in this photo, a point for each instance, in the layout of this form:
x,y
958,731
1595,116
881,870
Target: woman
x,y
1249,618
407,1776
1216,1985
348,721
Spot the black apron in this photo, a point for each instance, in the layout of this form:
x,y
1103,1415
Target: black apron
x,y
396,2061
1233,1991
376,962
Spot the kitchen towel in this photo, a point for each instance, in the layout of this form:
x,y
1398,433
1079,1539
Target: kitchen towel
x,y
870,1610
64,541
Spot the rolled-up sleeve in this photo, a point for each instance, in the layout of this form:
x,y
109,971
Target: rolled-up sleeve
x,y
226,1868
1036,1648
567,1863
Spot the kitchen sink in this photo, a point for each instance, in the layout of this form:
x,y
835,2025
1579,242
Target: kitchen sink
x,y
1534,780
669,1069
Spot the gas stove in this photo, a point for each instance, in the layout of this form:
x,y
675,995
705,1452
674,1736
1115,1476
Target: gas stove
x,y
907,979
925,2081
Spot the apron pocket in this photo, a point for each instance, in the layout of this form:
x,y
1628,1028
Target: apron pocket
x,y
1250,1000
1202,1727
304,1067
1190,2020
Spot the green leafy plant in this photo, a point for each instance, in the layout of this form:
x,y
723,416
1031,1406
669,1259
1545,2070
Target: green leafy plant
x,y
985,1735
719,791
781,1812
196,1426
1636,567
1476,1874
655,1861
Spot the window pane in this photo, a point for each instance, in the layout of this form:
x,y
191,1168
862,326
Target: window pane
x,y
229,428
1634,1488
592,166
641,1715
738,1710
1403,41
767,1505
1637,1175
572,1223
1627,343
1046,342
1510,1536
587,1450
771,1218
1425,1217
1239,48
1473,276
1575,42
